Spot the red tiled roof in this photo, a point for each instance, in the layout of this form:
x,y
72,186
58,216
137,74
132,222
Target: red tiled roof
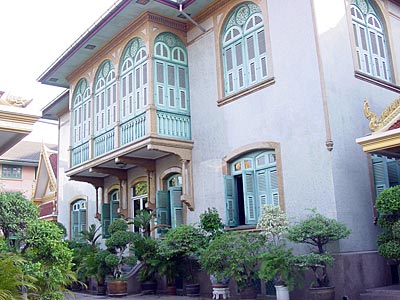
x,y
53,162
395,125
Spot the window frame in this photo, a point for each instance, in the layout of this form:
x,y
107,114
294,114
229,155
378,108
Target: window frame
x,y
359,16
79,206
11,174
81,113
263,76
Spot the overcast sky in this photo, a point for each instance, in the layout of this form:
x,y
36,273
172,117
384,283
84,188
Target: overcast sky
x,y
33,35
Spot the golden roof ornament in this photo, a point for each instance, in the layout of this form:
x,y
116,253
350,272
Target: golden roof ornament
x,y
388,115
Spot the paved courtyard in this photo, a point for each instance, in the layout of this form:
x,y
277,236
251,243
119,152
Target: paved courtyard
x,y
81,296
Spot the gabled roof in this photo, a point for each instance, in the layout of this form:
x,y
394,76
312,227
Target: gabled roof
x,y
385,131
46,180
24,153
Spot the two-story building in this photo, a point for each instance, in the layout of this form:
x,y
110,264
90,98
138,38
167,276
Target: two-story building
x,y
228,104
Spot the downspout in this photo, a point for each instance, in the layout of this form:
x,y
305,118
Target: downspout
x,y
190,19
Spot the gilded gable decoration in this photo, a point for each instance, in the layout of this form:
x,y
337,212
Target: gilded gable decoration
x,y
387,116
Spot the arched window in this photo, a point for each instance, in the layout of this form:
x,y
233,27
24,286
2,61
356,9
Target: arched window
x,y
370,40
134,81
81,112
139,199
168,203
171,73
110,211
78,219
105,98
244,48
252,182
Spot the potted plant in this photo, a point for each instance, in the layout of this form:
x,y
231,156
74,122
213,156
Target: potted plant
x,y
317,231
118,244
236,255
388,206
277,263
182,244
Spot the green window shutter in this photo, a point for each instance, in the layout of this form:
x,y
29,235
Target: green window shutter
x,y
232,218
262,187
273,183
381,179
82,220
393,172
162,209
114,210
105,219
75,224
175,194
250,206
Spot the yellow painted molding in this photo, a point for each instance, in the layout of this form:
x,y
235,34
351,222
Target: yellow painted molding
x,y
377,142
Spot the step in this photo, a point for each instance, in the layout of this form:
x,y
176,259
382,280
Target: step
x,y
378,296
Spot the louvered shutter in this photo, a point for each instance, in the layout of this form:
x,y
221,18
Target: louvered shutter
x,y
82,220
250,206
176,206
105,219
230,202
273,183
380,174
75,224
114,211
162,209
393,172
262,187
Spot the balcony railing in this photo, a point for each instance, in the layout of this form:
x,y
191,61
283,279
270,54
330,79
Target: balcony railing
x,y
133,129
173,125
104,143
80,153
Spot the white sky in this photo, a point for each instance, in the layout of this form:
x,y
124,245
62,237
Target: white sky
x,y
33,34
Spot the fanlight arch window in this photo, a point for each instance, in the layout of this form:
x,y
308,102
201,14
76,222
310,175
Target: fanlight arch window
x,y
81,112
105,98
370,40
171,73
110,211
134,79
252,183
244,49
78,219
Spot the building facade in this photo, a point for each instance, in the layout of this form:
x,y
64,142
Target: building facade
x,y
240,104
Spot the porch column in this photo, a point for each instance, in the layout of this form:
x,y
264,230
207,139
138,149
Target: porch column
x,y
187,185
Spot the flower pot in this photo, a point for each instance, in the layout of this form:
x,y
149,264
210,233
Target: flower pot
x,y
193,290
219,283
171,290
117,288
100,290
322,293
249,292
282,292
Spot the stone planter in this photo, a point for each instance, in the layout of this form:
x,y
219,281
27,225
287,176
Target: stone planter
x,y
282,292
322,293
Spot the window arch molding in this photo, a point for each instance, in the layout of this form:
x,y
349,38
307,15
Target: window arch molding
x,y
81,112
371,40
244,52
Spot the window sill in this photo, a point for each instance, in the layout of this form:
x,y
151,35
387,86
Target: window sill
x,y
11,178
385,84
250,228
246,91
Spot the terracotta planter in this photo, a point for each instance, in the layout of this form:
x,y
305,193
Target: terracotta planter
x,y
322,293
193,290
117,288
100,290
249,293
171,290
